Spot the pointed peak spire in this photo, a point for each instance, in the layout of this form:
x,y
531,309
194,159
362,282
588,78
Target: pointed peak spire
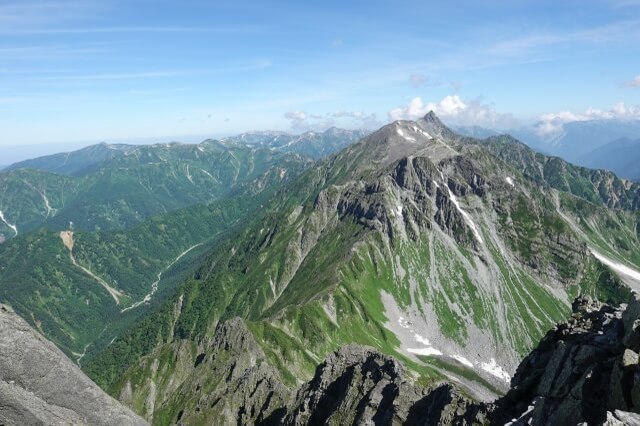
x,y
432,124
431,117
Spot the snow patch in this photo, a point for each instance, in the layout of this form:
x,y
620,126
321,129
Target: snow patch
x,y
208,174
46,204
462,360
273,286
509,181
409,138
618,267
189,175
13,227
424,351
427,350
493,368
465,216
422,132
523,417
404,323
422,340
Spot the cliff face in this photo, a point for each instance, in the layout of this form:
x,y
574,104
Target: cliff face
x,y
585,370
40,385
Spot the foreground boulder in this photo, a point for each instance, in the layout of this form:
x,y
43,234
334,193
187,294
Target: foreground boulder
x,y
585,370
40,385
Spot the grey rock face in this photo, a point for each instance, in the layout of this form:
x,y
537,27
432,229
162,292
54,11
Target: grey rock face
x,y
250,390
585,370
358,385
225,377
40,385
621,418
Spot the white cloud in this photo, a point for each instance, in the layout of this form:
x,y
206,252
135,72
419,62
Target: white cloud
x,y
553,122
303,121
634,82
454,110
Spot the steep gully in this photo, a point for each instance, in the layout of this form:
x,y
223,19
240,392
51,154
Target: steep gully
x,y
13,227
68,241
154,285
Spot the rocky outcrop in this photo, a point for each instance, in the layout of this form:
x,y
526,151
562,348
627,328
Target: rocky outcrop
x,y
232,382
40,385
248,389
226,377
358,385
585,370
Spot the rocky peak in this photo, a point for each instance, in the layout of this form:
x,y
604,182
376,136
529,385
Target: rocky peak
x,y
436,128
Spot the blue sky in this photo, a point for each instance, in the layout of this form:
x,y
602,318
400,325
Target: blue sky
x,y
95,70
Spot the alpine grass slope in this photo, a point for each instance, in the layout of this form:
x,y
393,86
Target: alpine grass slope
x,y
451,254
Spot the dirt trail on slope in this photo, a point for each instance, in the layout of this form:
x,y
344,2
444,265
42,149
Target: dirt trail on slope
x,y
67,240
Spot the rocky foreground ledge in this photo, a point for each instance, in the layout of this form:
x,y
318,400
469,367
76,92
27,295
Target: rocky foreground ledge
x,y
585,371
40,385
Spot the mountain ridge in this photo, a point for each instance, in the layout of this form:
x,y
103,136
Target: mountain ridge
x,y
425,245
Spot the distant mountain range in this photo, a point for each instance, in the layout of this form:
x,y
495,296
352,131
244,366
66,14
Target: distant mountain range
x,y
132,215
315,145
74,163
103,187
311,144
621,156
595,143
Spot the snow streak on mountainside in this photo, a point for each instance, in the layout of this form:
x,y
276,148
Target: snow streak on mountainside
x,y
13,227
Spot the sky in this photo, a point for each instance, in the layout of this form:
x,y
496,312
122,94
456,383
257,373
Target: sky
x,y
115,70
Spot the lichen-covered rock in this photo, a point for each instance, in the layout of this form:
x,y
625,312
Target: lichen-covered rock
x,y
40,385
